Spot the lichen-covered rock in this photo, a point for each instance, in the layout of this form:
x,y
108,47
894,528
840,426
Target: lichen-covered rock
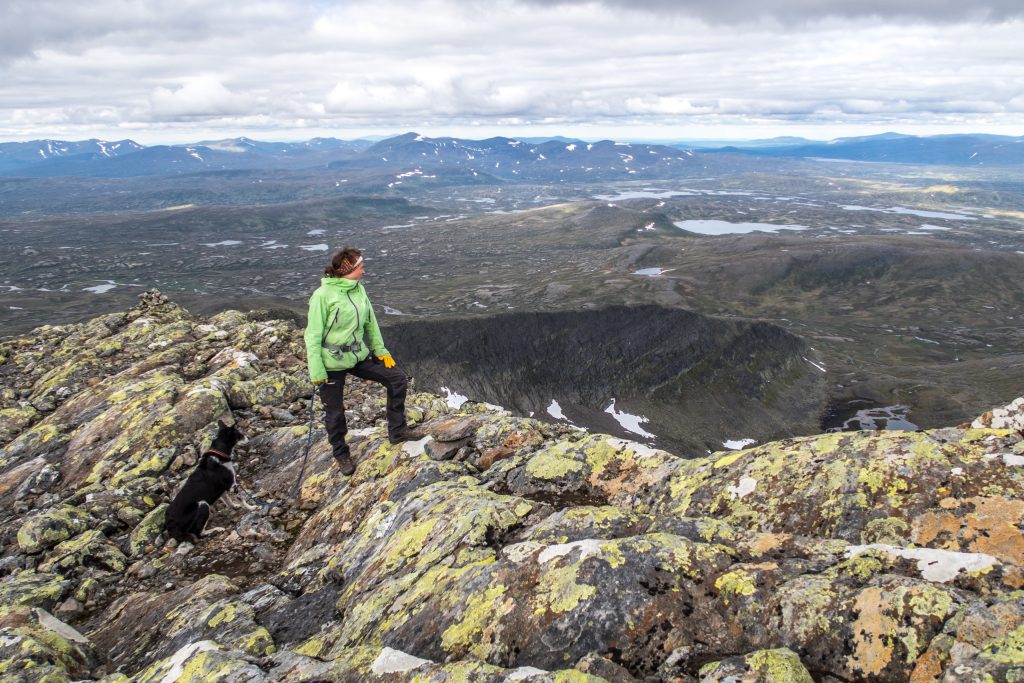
x,y
537,552
50,527
838,485
14,420
147,531
143,628
90,548
203,660
32,589
764,666
36,647
268,388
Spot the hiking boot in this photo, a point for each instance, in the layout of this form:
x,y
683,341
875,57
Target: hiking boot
x,y
406,434
345,464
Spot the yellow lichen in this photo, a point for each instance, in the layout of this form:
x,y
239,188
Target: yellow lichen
x,y
738,582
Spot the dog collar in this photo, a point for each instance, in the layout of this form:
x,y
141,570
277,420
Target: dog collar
x,y
224,456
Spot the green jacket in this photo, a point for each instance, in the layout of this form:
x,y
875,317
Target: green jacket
x,y
344,303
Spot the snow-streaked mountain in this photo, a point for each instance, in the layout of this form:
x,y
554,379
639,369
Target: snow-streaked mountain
x,y
405,155
506,159
14,155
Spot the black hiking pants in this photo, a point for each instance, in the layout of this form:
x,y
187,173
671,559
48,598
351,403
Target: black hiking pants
x,y
333,395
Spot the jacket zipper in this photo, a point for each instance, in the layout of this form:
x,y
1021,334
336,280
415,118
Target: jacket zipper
x,y
358,324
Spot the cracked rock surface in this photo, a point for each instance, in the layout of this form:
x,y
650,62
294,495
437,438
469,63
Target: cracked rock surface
x,y
529,551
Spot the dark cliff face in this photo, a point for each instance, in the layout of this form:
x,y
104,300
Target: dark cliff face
x,y
699,380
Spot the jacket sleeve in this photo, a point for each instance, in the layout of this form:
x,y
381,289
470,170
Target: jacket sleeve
x,y
371,332
314,337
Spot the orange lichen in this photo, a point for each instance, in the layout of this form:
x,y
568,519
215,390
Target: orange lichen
x,y
871,631
992,528
930,666
933,526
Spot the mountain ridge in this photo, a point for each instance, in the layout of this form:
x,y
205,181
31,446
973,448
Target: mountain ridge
x,y
114,159
498,548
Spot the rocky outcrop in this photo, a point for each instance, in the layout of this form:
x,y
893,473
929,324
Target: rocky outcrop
x,y
499,548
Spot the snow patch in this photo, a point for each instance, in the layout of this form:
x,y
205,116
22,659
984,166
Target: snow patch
x,y
555,410
631,423
588,548
225,243
313,247
453,399
101,289
415,448
738,444
391,661
744,488
935,565
820,367
522,672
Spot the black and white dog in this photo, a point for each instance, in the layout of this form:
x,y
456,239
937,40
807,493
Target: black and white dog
x,y
213,476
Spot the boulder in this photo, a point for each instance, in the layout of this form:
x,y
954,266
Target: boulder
x,y
36,647
764,666
30,588
140,629
147,531
90,548
51,527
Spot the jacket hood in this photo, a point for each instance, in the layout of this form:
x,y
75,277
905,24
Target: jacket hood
x,y
344,284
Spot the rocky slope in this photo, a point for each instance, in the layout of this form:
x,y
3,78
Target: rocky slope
x,y
497,549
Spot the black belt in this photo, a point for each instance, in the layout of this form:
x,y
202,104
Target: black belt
x,y
337,350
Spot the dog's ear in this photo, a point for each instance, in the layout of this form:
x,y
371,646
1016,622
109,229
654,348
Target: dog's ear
x,y
221,424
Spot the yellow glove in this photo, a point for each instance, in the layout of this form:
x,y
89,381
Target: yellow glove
x,y
389,362
318,382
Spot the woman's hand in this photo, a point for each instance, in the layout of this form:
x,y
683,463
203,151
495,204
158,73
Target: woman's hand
x,y
389,362
318,382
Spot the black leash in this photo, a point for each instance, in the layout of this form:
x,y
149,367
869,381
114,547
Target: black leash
x,y
302,471
309,443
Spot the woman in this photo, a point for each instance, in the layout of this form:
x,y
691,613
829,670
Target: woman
x,y
342,338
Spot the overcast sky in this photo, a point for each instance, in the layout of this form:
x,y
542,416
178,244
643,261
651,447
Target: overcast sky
x,y
187,70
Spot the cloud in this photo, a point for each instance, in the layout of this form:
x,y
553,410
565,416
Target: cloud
x,y
27,26
802,11
202,96
390,65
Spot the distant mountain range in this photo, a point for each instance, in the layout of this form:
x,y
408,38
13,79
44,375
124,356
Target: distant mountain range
x,y
127,158
403,157
958,150
498,158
